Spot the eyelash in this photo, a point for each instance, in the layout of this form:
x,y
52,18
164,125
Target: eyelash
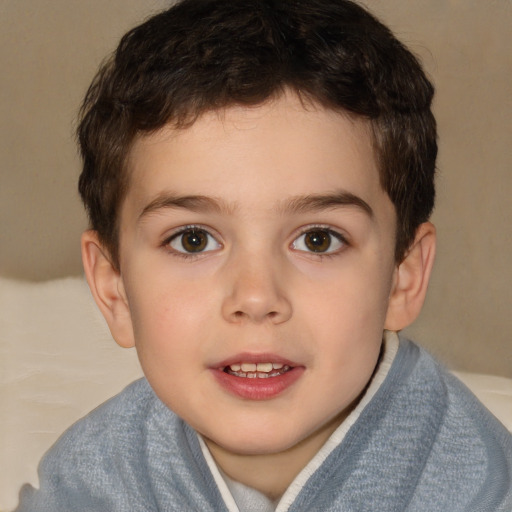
x,y
308,230
329,231
180,232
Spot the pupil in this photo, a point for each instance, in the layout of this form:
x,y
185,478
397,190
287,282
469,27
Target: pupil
x,y
194,241
318,241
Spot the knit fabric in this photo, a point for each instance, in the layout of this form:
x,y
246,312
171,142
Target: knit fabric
x,y
423,443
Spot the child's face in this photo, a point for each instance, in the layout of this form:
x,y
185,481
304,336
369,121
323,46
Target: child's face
x,y
258,236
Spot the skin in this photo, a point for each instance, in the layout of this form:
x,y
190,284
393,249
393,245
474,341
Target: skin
x,y
256,288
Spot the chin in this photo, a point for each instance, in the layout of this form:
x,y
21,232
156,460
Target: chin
x,y
262,440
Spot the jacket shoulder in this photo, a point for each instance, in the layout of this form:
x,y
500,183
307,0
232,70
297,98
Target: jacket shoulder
x,y
471,458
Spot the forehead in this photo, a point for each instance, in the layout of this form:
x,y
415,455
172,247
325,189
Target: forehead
x,y
252,154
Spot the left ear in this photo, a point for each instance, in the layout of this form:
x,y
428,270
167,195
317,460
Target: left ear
x,y
411,279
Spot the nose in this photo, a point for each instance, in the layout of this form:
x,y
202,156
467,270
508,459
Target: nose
x,y
256,292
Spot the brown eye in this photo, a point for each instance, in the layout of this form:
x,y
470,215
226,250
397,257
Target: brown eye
x,y
319,241
193,241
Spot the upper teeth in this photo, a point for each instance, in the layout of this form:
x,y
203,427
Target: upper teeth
x,y
253,367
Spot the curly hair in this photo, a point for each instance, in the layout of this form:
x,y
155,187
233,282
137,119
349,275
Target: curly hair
x,y
203,55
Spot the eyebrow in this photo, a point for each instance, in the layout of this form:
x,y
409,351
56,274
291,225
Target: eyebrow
x,y
196,203
299,204
320,202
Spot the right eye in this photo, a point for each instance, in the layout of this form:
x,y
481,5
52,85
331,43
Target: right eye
x,y
193,241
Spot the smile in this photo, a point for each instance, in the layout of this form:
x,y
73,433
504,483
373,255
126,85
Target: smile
x,y
257,370
257,376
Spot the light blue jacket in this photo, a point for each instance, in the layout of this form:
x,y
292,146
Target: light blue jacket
x,y
423,443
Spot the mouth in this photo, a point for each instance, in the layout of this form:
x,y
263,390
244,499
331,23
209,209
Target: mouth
x,y
257,370
257,377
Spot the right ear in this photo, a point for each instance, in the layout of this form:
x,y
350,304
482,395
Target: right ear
x,y
107,288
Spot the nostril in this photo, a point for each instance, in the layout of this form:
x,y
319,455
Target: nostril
x,y
240,315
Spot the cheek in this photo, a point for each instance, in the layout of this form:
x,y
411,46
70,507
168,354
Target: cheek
x,y
167,297
356,295
151,309
169,323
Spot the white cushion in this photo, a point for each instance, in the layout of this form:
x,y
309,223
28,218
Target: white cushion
x,y
57,362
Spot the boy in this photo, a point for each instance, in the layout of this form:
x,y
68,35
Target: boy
x,y
259,179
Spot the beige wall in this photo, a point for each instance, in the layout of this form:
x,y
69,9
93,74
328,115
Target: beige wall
x,y
50,49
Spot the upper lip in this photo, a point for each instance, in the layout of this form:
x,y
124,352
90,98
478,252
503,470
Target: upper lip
x,y
255,358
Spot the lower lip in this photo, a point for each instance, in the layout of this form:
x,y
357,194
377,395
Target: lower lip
x,y
258,389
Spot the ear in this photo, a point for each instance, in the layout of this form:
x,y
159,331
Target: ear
x,y
107,288
411,279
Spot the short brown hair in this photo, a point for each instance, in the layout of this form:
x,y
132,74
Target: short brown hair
x,y
202,55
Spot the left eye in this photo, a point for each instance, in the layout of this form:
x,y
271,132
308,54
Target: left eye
x,y
193,240
320,241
